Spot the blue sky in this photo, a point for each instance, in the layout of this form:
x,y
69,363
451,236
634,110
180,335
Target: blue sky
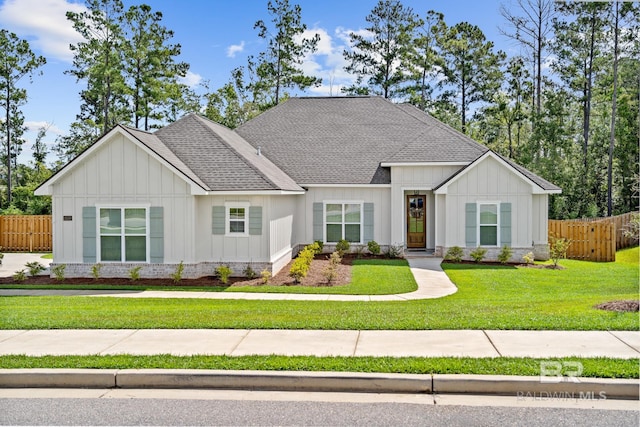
x,y
216,36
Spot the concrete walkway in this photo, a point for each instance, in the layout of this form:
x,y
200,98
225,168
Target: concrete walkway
x,y
242,342
431,279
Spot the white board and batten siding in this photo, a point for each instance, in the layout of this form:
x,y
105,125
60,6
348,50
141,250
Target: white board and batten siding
x,y
491,182
119,173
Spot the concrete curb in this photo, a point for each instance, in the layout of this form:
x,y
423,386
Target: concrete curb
x,y
588,388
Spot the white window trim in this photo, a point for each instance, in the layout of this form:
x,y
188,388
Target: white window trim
x,y
342,202
497,205
99,235
227,218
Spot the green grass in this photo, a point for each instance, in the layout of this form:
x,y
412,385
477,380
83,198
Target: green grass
x,y
488,298
593,367
368,277
47,256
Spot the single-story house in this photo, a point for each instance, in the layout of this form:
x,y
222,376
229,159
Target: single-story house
x,y
316,168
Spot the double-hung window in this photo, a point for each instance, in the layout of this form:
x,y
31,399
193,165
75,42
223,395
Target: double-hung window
x,y
237,219
488,224
343,221
123,234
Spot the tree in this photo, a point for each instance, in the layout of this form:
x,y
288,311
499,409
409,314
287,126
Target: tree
x,y
230,105
530,23
471,67
279,67
40,150
16,61
150,67
81,135
380,58
98,61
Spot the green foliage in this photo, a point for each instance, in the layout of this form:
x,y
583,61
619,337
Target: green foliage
x,y
301,264
478,254
95,271
528,258
320,244
359,251
558,248
505,254
20,276
395,251
454,253
331,270
265,275
342,247
249,272
176,276
224,272
632,230
316,247
134,273
373,247
34,268
58,271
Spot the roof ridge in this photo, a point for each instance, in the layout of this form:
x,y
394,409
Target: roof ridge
x,y
244,159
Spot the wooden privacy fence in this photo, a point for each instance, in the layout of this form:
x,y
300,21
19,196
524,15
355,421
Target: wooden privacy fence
x,y
22,233
593,239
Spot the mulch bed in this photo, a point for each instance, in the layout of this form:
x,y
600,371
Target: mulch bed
x,y
620,306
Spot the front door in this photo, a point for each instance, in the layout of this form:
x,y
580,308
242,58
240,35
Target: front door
x,y
416,221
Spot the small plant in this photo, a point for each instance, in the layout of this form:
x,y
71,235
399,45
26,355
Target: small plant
x,y
528,258
454,253
316,247
134,273
342,247
558,249
478,254
1,257
224,272
20,276
320,244
373,247
395,251
58,271
34,268
299,269
331,271
177,274
249,272
505,254
265,276
359,250
95,271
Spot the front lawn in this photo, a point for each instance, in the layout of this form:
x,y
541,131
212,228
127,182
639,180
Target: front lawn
x,y
495,297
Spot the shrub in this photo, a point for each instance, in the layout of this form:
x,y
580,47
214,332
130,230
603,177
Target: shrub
x,y
299,269
134,273
331,271
95,271
359,250
316,247
342,247
320,244
454,253
20,276
224,272
249,272
373,247
266,276
558,249
177,273
58,271
395,251
528,258
34,268
505,254
478,254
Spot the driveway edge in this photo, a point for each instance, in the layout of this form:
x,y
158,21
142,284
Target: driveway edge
x,y
521,386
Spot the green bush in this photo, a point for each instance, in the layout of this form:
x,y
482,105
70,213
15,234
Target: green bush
x,y
249,272
34,268
95,271
558,249
478,254
505,254
373,247
266,276
454,253
134,273
331,271
224,272
316,247
395,251
20,276
342,247
177,274
528,258
301,264
320,244
58,271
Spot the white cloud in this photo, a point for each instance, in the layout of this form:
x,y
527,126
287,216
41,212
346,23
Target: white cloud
x,y
235,48
44,24
191,79
33,126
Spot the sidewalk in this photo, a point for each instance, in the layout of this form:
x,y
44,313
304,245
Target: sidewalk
x,y
242,342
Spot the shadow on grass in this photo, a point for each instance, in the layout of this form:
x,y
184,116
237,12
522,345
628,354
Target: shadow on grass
x,y
473,266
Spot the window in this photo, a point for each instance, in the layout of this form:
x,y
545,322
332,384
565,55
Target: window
x,y
123,234
237,219
488,224
343,221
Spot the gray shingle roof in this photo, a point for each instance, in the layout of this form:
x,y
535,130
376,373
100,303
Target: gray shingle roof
x,y
221,158
343,140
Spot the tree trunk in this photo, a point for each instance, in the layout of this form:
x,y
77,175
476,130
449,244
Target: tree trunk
x,y
8,124
614,107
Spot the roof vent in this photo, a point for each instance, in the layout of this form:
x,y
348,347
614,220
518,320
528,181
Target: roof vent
x,y
259,151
